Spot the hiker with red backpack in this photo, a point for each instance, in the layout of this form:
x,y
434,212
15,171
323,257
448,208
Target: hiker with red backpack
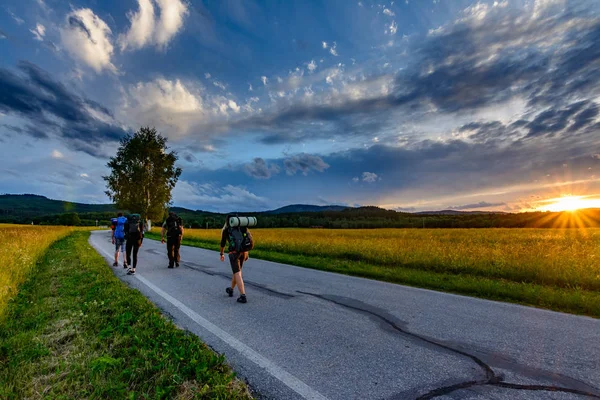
x,y
173,227
236,232
118,238
134,228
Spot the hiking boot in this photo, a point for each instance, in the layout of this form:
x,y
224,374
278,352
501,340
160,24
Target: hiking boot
x,y
131,271
177,265
125,265
115,264
170,266
242,299
229,291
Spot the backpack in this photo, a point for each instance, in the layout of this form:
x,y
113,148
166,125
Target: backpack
x,y
240,239
174,224
120,228
134,223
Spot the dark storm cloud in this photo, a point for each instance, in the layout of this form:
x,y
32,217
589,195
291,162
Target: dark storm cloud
x,y
481,204
259,169
304,163
50,108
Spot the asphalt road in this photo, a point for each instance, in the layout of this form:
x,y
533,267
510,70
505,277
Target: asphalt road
x,y
307,334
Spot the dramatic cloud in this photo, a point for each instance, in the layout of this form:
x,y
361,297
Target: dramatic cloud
x,y
87,38
304,163
228,198
172,13
39,32
481,204
165,104
146,29
142,27
259,169
50,109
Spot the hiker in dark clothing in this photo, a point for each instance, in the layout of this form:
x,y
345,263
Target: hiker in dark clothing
x,y
237,255
173,227
134,227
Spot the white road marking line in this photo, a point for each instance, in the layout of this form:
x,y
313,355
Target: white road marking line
x,y
285,377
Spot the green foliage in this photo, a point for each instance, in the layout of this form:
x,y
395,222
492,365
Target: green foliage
x,y
76,331
143,174
69,219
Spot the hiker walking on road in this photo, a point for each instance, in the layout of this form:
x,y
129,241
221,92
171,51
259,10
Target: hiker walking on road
x,y
173,227
240,242
134,227
118,238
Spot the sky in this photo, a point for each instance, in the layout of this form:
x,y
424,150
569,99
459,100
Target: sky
x,y
407,105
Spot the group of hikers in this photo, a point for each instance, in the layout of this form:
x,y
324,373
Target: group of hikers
x,y
128,235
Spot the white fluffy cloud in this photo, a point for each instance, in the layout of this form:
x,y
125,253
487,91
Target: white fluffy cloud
x,y
370,177
312,65
264,80
147,29
165,104
388,12
142,27
87,38
39,32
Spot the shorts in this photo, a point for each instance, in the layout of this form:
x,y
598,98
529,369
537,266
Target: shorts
x,y
120,243
237,261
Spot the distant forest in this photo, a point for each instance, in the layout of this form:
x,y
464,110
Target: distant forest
x,y
25,209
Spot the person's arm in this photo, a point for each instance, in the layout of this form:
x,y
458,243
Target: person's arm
x,y
182,230
112,236
162,233
223,242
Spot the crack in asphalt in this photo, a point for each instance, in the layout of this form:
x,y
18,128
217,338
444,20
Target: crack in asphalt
x,y
205,269
491,378
260,287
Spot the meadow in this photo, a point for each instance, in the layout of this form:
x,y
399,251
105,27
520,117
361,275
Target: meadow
x,y
20,247
553,268
74,330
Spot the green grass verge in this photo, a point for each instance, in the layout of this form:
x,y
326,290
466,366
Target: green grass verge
x,y
571,300
75,331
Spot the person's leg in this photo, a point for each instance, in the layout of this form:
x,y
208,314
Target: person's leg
x,y
123,241
136,248
240,278
170,251
129,247
176,254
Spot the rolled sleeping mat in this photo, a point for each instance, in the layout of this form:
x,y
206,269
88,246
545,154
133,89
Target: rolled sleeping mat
x,y
242,221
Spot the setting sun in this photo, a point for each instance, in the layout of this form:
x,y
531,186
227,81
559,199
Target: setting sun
x,y
571,203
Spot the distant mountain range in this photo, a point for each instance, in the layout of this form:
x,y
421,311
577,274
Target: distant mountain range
x,y
302,208
457,212
35,205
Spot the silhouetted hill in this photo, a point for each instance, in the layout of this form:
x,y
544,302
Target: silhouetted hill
x,y
457,212
28,208
300,208
35,205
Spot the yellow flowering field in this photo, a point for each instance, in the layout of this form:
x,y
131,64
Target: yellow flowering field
x,y
20,248
567,258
